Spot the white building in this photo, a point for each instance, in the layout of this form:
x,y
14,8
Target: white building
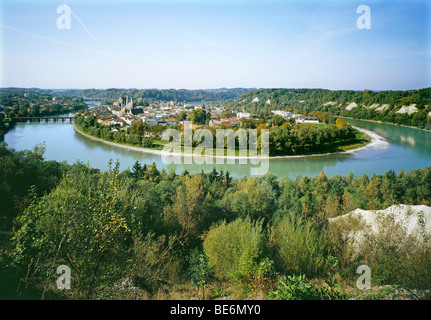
x,y
303,119
214,122
151,121
243,115
284,114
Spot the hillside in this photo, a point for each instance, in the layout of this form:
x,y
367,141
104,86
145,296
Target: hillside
x,y
410,221
411,108
221,94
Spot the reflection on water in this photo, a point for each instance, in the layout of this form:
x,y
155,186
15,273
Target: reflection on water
x,y
417,138
409,140
409,148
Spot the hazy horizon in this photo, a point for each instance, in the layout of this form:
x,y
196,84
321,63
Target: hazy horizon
x,y
206,89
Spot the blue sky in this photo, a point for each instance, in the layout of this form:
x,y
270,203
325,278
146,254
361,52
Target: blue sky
x,y
210,44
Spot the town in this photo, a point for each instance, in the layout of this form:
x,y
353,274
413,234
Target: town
x,y
159,114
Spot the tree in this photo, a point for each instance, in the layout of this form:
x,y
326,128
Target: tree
x,y
137,170
228,179
153,173
198,116
298,246
234,249
277,121
187,212
138,127
183,115
349,202
199,270
83,223
332,206
253,198
340,123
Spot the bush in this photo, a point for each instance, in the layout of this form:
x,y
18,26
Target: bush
x,y
298,247
234,250
298,288
147,142
294,288
396,258
199,271
84,224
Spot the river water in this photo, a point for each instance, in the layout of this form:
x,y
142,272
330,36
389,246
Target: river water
x,y
406,148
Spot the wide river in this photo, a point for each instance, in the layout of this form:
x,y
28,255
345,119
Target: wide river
x,y
404,148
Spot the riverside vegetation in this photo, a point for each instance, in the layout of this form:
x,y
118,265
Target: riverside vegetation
x,y
150,234
284,138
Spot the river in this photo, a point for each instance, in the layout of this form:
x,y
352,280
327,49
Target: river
x,y
407,148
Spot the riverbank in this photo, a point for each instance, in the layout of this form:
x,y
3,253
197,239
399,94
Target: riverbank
x,y
375,142
382,122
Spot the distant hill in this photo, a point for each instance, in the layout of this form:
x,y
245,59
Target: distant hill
x,y
222,94
326,99
411,108
180,95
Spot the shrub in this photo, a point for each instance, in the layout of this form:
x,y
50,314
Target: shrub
x,y
235,249
84,224
199,271
294,288
396,258
298,247
298,288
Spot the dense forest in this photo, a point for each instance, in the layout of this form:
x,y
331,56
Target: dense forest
x,y
179,95
383,106
150,234
21,171
27,103
310,139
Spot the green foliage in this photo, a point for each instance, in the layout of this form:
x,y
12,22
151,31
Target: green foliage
x,y
316,100
254,198
332,289
140,226
19,171
308,139
147,142
294,288
298,288
261,276
198,116
83,223
200,272
298,247
137,170
153,260
158,94
397,258
138,127
235,249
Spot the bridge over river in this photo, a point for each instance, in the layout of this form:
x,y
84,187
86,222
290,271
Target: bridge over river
x,y
43,118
